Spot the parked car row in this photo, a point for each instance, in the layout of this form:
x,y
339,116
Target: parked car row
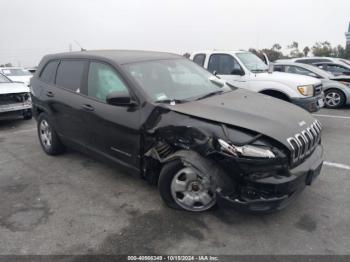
x,y
336,88
198,137
336,66
327,80
245,70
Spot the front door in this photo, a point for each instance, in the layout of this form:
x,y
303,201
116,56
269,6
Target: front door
x,y
113,130
227,68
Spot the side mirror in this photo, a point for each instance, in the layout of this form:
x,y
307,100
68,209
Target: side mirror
x,y
236,71
119,98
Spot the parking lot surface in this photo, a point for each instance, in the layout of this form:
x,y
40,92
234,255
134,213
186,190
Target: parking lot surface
x,y
73,204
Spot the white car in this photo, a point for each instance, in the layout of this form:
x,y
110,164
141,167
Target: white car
x,y
317,59
17,74
15,100
245,70
335,88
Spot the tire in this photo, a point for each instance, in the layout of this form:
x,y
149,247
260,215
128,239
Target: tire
x,y
49,140
195,197
334,98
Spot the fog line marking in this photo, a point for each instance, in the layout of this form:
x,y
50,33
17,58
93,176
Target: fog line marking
x,y
337,165
330,116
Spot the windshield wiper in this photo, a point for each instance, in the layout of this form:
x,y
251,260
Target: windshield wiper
x,y
219,92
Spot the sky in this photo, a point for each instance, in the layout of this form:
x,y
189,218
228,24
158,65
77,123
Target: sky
x,y
32,28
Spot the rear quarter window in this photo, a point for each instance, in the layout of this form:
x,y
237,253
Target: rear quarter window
x,y
49,72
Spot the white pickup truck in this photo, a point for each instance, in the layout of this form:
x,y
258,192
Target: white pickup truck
x,y
245,70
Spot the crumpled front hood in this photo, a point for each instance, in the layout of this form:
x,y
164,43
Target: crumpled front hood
x,y
12,88
267,115
291,79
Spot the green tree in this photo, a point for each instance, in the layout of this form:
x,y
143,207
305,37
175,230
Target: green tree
x,y
6,65
294,50
272,53
322,49
338,51
276,47
306,50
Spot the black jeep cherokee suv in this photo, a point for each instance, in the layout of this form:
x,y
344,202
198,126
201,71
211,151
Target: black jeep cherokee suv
x,y
178,126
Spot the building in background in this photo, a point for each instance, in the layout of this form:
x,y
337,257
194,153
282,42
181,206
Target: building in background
x,y
347,35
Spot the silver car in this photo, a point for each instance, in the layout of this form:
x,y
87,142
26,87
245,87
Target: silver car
x,y
336,88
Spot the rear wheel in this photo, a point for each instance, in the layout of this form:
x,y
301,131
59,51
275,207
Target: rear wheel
x,y
184,187
48,138
334,98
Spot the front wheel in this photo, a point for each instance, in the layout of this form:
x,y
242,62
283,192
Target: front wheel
x,y
184,187
334,98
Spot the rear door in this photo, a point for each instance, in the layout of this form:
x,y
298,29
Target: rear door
x,y
113,130
66,101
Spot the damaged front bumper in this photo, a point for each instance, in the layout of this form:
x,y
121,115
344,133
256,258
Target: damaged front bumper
x,y
15,107
10,111
310,104
282,188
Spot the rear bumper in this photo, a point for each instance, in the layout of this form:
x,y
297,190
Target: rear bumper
x,y
311,104
286,187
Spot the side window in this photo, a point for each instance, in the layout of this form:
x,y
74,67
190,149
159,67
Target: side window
x,y
337,68
278,68
223,64
103,80
199,59
48,74
70,74
322,66
300,71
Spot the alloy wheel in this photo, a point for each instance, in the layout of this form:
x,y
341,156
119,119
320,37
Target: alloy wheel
x,y
45,134
333,99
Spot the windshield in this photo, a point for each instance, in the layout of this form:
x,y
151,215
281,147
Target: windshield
x,y
322,73
252,62
4,79
15,72
176,79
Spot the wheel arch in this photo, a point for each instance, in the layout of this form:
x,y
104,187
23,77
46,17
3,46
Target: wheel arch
x,y
276,93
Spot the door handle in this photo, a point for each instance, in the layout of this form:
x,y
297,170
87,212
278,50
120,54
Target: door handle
x,y
50,94
88,107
